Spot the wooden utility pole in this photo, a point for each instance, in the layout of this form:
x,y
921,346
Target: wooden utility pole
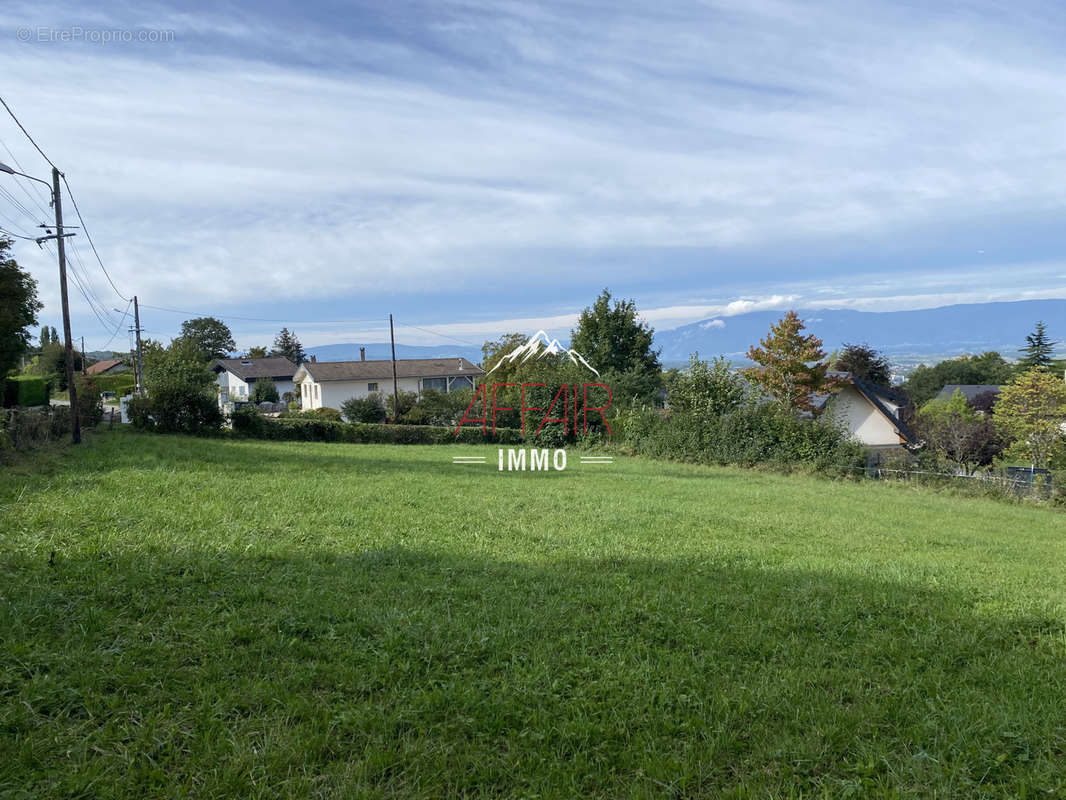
x,y
68,345
139,365
395,383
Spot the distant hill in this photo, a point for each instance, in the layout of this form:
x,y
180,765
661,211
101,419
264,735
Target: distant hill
x,y
380,350
902,335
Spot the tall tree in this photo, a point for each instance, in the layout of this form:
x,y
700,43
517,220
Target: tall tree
x,y
792,366
1032,409
46,337
864,362
55,336
925,382
18,309
1038,349
954,430
257,352
212,337
613,339
286,344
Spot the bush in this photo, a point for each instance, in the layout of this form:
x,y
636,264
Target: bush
x,y
364,409
90,407
25,391
139,411
265,391
309,428
25,429
121,384
747,435
331,414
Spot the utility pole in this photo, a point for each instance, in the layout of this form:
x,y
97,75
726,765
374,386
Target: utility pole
x,y
395,384
68,346
139,365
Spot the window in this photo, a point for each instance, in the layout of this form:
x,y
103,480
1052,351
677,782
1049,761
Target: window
x,y
436,384
371,387
460,382
318,395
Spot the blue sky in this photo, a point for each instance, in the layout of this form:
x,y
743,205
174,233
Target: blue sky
x,y
475,167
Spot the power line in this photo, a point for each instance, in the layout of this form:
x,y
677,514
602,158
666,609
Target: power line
x,y
264,319
436,333
122,321
99,261
39,150
36,197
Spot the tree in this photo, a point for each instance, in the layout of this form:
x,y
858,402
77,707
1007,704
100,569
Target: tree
x,y
705,390
954,430
265,391
1038,349
614,340
864,362
792,366
1032,409
210,336
46,337
181,390
286,344
925,382
18,309
256,352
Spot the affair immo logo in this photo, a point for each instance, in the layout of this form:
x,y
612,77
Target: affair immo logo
x,y
568,408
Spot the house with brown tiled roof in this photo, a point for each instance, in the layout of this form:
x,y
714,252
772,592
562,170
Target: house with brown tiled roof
x,y
327,384
110,366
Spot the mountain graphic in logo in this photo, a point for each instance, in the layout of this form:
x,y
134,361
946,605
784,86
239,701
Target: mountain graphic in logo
x,y
539,346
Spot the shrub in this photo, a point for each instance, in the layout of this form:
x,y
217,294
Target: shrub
x,y
265,391
25,391
181,396
326,413
312,428
90,407
121,384
364,409
25,429
139,411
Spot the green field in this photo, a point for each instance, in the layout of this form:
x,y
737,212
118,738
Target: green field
x,y
252,619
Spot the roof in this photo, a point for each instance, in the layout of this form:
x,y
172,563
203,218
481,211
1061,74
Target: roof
x,y
969,390
102,366
277,367
382,370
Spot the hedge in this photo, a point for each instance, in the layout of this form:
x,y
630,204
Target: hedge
x,y
250,423
121,384
25,391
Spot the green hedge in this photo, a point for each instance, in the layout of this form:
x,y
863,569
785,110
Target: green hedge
x,y
121,384
249,422
25,391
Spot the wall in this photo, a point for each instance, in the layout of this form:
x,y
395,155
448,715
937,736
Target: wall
x,y
866,423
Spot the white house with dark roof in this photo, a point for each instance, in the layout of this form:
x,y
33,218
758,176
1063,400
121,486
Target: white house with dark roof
x,y
872,414
237,376
327,384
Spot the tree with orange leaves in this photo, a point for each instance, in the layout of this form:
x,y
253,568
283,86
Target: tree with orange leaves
x,y
792,365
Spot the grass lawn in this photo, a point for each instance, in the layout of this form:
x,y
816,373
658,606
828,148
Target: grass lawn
x,y
245,619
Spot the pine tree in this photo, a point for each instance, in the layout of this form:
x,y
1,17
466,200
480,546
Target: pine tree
x,y
792,366
1038,349
286,344
46,337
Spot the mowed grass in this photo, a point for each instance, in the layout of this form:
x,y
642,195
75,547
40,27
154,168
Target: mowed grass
x,y
252,619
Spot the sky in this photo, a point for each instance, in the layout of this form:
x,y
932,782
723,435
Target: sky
x,y
477,167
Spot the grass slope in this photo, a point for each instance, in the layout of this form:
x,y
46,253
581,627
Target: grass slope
x,y
273,619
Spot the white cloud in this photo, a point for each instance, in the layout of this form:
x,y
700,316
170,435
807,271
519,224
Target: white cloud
x,y
713,323
357,167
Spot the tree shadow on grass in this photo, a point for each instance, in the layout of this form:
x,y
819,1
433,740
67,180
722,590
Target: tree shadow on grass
x,y
406,673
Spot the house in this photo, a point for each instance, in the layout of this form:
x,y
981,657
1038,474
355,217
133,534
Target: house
x,y
970,391
237,376
329,383
110,366
872,414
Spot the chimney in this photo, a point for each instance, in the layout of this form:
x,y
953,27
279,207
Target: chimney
x,y
460,365
362,354
314,359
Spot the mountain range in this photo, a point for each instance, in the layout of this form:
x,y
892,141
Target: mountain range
x,y
907,337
